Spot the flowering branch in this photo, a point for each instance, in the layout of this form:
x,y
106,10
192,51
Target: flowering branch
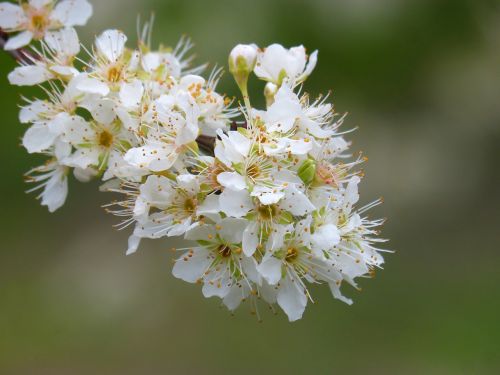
x,y
268,197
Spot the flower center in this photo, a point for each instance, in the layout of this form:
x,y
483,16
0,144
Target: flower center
x,y
253,171
114,73
267,212
224,251
105,139
291,254
39,23
190,205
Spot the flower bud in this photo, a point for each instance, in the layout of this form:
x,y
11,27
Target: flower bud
x,y
242,59
307,171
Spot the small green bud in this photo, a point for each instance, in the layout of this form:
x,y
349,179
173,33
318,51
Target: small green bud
x,y
307,171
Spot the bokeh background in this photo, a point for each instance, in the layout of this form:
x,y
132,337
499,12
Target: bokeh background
x,y
421,80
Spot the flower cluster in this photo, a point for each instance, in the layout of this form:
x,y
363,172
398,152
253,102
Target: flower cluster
x,y
271,210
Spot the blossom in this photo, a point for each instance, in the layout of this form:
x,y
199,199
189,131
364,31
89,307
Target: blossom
x,y
33,19
219,263
175,128
166,208
275,207
52,179
61,47
275,63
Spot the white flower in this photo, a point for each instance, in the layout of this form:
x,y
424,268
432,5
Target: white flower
x,y
61,48
276,63
176,128
266,219
213,107
52,179
111,65
35,18
166,63
219,263
95,143
289,113
165,207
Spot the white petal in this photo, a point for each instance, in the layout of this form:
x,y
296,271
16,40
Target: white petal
x,y
201,233
286,109
325,237
64,42
249,267
267,196
191,269
292,299
32,111
74,129
189,182
111,44
250,238
83,158
209,206
20,40
129,121
72,12
277,237
29,75
313,60
153,156
131,94
11,16
231,230
235,203
56,191
335,288
232,180
351,191
133,244
270,269
236,295
157,192
38,138
92,86
268,292
85,175
299,146
217,289
296,202
61,149
65,71
37,4
102,110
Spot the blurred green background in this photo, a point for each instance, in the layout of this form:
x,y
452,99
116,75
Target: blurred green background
x,y
421,80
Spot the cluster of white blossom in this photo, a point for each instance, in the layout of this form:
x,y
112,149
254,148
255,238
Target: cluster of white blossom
x,y
272,210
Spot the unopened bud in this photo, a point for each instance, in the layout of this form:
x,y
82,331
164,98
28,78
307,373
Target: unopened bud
x,y
307,171
242,60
